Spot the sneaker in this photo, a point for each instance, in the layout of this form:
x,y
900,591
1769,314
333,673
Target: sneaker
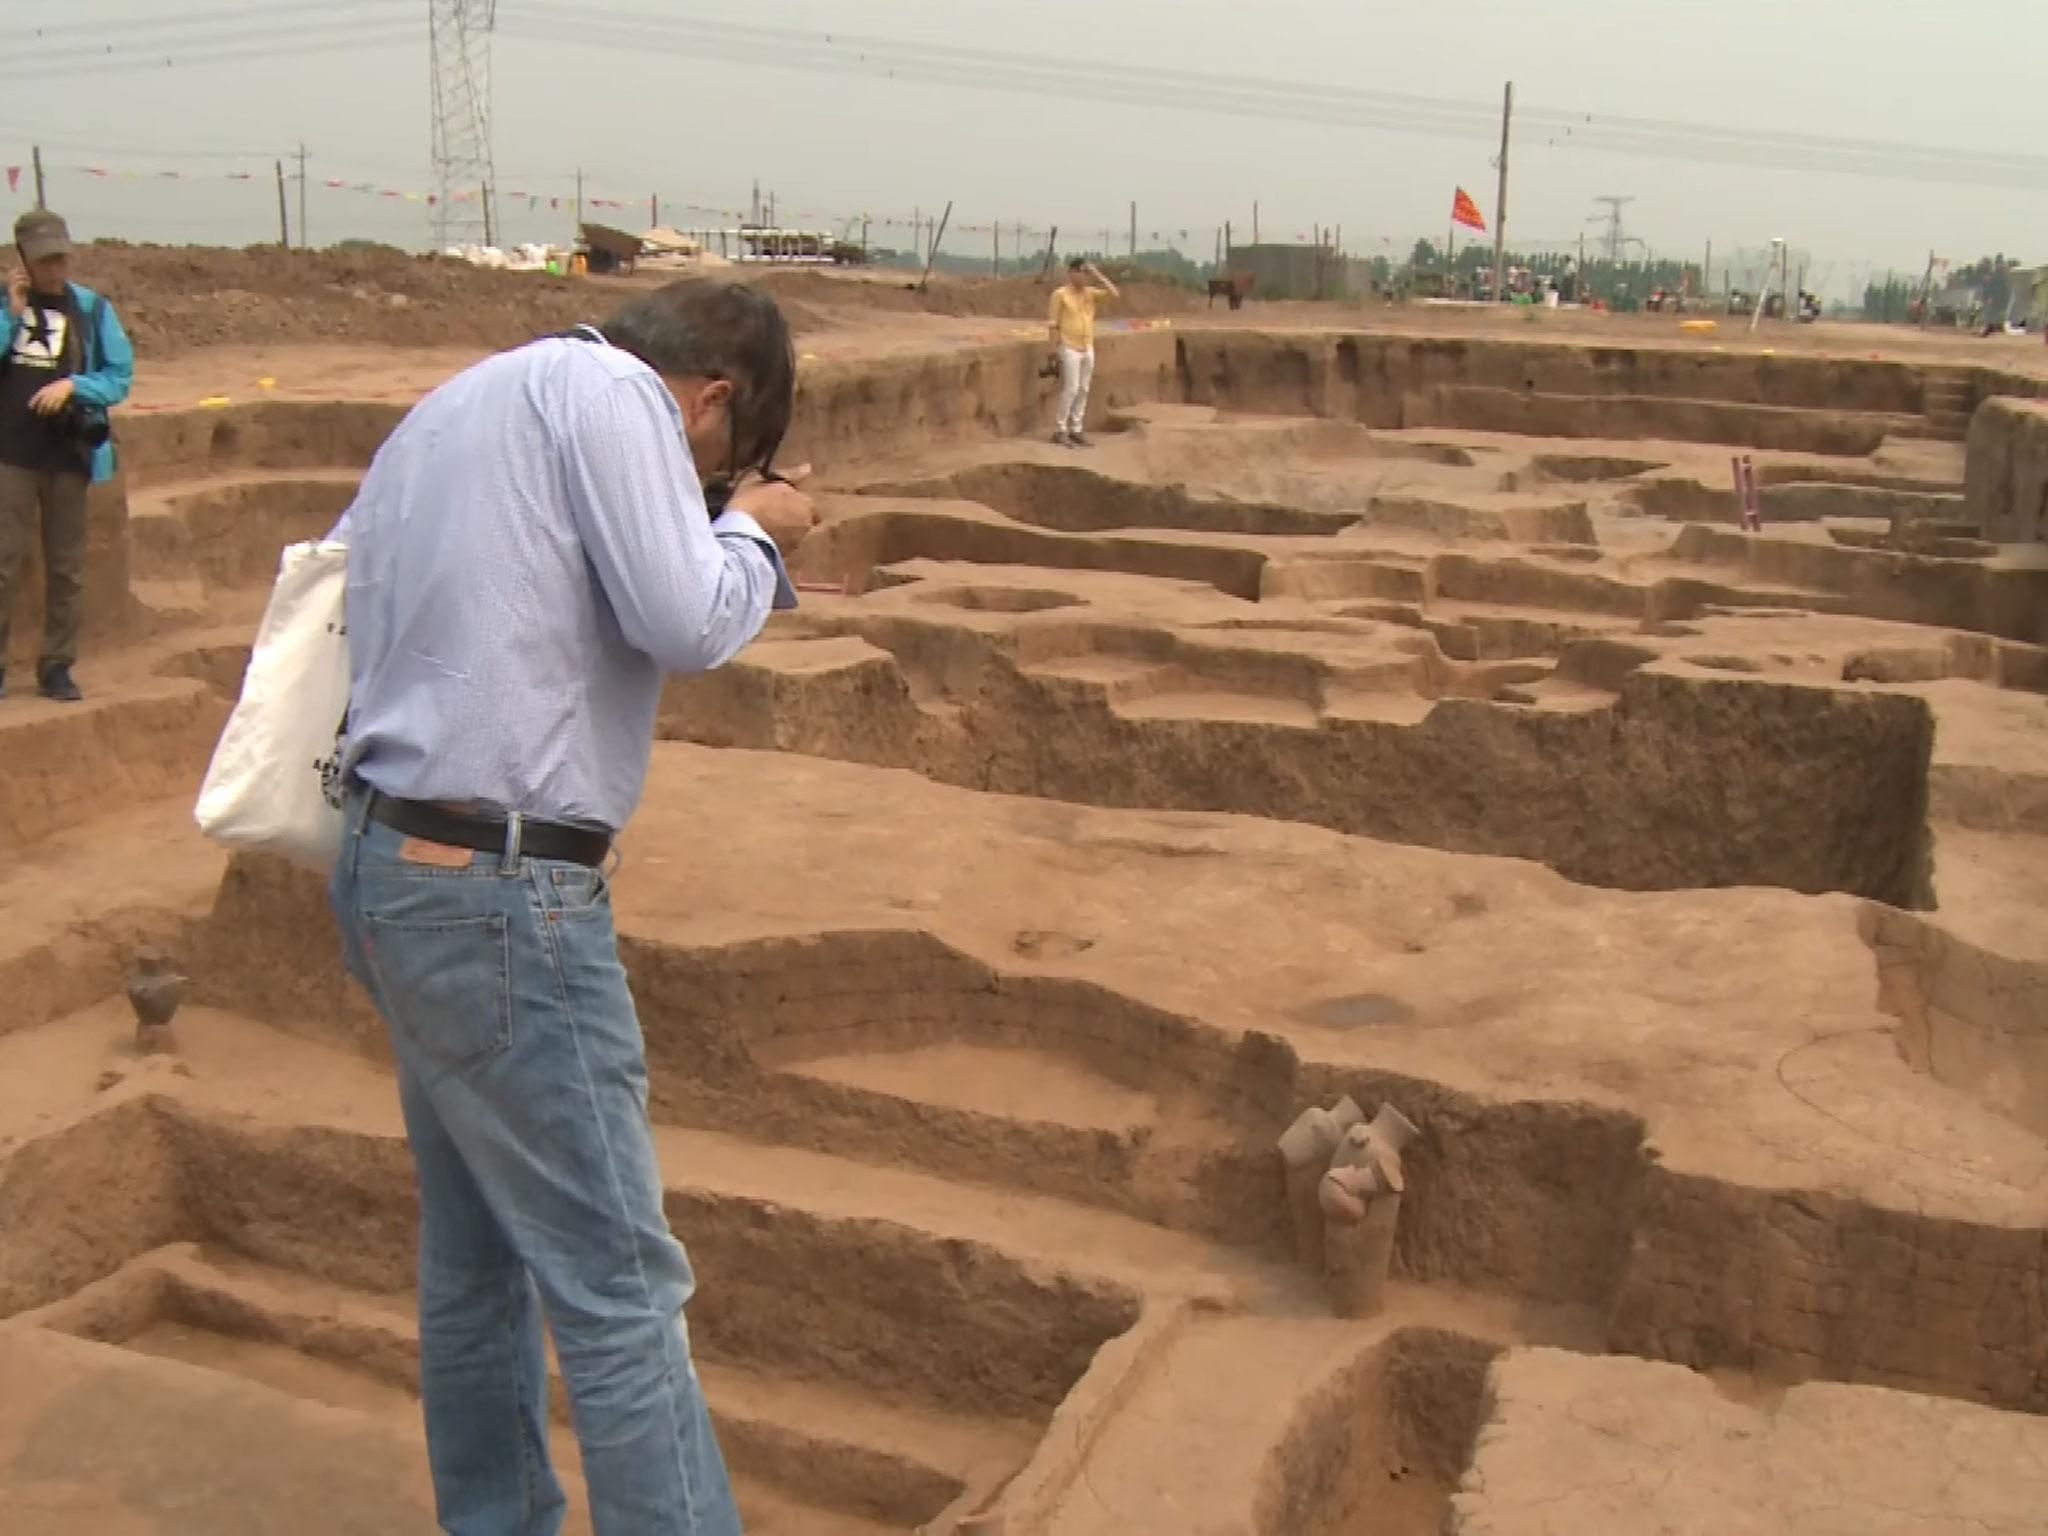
x,y
55,683
1079,440
1061,440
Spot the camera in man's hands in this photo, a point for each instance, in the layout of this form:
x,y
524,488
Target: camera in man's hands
x,y
1050,368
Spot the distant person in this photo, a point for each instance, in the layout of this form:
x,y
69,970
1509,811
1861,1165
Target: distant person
x,y
535,545
64,359
1071,323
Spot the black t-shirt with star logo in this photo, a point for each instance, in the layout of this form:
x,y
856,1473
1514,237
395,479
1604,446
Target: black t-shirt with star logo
x,y
47,347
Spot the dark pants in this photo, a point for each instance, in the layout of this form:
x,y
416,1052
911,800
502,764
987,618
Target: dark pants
x,y
55,501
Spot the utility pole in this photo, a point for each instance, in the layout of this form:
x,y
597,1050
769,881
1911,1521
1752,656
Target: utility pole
x,y
284,229
1134,231
1052,247
302,199
1255,222
37,156
1500,206
938,234
579,201
654,210
1224,259
1707,272
996,249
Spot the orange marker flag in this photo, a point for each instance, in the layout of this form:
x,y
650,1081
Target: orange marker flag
x,y
1466,212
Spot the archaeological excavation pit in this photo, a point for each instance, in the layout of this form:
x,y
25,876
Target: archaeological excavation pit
x,y
1354,722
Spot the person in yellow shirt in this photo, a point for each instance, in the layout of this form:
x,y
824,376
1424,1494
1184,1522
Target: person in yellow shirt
x,y
1071,324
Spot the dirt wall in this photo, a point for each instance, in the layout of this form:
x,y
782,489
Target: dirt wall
x,y
80,1201
2006,601
1968,1016
2006,478
1649,417
1365,377
1380,1444
1682,783
166,446
1801,1284
56,772
855,412
1682,1267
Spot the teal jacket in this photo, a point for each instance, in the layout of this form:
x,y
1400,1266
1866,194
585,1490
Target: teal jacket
x,y
109,363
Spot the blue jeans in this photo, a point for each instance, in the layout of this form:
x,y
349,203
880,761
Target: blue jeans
x,y
523,1078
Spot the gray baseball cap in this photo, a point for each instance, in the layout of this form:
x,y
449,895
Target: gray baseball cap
x,y
41,234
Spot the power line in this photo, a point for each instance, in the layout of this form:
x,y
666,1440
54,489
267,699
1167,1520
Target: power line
x,y
154,21
1296,101
283,46
150,151
310,29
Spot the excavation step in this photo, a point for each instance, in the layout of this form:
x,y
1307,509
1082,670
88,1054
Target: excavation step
x,y
91,1431
1630,1448
846,1452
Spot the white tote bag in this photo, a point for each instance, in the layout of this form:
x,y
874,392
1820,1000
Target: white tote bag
x,y
274,783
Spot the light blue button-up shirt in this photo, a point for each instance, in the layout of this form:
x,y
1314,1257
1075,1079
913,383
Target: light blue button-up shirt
x,y
528,554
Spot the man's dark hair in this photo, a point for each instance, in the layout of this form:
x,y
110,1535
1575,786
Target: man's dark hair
x,y
1077,263
719,330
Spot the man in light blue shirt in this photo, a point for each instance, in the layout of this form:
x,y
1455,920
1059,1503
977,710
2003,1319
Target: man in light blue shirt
x,y
530,551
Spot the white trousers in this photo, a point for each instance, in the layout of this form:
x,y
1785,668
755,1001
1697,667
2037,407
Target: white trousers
x,y
1077,369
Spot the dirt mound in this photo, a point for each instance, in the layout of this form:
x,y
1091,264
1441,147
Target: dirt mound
x,y
176,297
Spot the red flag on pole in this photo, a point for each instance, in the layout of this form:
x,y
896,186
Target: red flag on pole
x,y
1466,212
13,177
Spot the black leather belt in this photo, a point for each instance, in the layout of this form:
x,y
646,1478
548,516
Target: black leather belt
x,y
488,834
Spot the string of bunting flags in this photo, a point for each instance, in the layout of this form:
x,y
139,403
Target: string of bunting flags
x,y
668,210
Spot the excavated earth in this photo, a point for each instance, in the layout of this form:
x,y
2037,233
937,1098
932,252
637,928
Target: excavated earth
x,y
1368,714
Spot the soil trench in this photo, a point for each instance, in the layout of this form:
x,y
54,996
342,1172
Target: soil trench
x,y
1368,715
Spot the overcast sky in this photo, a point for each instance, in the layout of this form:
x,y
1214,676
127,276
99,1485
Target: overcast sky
x,y
1965,75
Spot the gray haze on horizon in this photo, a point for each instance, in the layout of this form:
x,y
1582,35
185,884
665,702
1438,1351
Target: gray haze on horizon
x,y
704,130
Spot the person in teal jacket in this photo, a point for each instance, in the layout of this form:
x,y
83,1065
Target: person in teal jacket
x,y
64,362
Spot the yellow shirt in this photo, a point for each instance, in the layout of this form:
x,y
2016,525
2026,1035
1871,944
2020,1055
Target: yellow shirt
x,y
1073,315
